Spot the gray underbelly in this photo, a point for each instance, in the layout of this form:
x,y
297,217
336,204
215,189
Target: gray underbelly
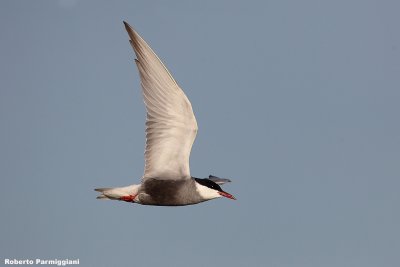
x,y
168,192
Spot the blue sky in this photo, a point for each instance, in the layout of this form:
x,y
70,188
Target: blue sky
x,y
297,103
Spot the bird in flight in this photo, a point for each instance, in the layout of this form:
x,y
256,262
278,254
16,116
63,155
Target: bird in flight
x,y
171,128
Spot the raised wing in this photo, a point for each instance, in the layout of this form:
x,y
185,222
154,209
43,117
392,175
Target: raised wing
x,y
171,126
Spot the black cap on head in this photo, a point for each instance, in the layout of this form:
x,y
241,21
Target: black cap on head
x,y
209,184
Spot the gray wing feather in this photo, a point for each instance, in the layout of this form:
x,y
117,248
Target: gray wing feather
x,y
218,180
171,126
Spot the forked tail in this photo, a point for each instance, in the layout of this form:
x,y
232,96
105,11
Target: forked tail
x,y
119,193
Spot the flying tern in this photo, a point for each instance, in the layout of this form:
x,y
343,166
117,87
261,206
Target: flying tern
x,y
171,129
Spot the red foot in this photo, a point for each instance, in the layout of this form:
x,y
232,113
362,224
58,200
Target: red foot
x,y
129,198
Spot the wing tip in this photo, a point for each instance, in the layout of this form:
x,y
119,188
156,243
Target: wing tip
x,y
131,32
219,180
127,26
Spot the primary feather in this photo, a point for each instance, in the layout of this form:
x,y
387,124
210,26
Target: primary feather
x,y
171,126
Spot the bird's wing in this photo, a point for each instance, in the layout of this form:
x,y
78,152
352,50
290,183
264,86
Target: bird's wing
x,y
171,126
218,180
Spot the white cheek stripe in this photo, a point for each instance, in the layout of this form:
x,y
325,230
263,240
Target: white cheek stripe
x,y
206,193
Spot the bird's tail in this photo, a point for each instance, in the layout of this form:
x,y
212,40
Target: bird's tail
x,y
118,193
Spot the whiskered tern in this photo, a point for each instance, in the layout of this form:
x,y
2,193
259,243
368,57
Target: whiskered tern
x,y
171,128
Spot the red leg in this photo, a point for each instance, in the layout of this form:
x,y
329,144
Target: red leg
x,y
129,198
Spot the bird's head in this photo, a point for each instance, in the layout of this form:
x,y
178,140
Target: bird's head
x,y
209,189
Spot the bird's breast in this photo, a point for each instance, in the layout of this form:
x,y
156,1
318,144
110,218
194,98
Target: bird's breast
x,y
168,192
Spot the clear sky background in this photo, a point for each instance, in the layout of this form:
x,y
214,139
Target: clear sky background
x,y
297,102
